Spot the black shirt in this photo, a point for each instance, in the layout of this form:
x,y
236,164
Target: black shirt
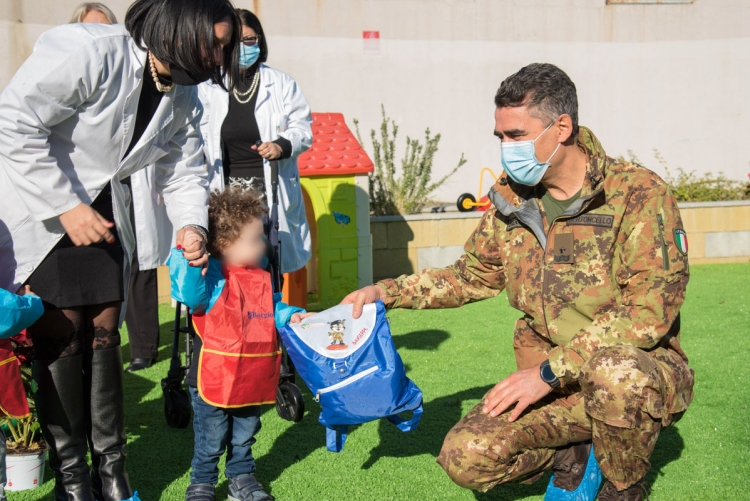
x,y
240,132
148,102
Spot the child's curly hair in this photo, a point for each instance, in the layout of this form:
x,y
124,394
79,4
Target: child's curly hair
x,y
228,212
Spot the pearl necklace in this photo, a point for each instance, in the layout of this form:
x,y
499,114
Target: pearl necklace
x,y
159,86
250,92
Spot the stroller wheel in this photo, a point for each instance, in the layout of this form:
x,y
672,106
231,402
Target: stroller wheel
x,y
289,402
177,407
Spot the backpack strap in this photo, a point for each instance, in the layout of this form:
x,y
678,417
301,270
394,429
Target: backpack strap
x,y
408,424
336,437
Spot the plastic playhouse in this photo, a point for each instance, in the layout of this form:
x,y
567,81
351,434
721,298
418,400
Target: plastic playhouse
x,y
333,174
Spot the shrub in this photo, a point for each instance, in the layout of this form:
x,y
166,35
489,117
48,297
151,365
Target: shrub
x,y
410,192
691,187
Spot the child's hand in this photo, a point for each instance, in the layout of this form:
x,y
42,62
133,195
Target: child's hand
x,y
25,289
297,318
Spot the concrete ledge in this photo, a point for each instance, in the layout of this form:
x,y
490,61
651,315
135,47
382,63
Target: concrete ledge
x,y
718,232
433,216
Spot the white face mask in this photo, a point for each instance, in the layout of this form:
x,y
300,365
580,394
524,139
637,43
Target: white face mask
x,y
520,162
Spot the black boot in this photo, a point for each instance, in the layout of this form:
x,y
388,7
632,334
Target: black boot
x,y
60,406
103,372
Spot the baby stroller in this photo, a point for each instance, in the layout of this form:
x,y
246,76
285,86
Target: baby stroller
x,y
289,402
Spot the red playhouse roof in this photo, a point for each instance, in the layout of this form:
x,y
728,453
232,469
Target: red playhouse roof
x,y
335,150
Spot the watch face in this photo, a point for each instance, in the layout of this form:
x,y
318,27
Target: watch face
x,y
547,375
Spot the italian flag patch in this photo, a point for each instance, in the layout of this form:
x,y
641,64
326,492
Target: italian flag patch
x,y
680,240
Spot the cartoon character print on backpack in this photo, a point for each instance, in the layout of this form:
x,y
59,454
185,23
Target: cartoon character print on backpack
x,y
336,335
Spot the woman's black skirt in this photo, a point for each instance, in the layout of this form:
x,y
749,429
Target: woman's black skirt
x,y
80,276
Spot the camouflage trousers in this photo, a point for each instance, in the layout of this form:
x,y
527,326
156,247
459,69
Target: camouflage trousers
x,y
626,397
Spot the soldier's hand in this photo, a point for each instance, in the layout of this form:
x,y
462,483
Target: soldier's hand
x,y
363,296
522,388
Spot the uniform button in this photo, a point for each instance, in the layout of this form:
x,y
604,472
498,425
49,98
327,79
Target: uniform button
x,y
29,267
342,371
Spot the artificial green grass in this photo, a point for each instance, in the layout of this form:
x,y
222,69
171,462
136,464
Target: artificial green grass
x,y
455,356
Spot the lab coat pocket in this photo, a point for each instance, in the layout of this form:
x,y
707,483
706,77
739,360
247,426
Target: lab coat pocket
x,y
280,122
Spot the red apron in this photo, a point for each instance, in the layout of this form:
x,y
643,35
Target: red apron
x,y
13,401
240,357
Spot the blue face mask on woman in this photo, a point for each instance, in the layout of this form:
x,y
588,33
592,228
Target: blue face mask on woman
x,y
248,55
520,163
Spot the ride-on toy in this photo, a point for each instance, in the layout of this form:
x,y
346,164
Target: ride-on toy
x,y
289,402
468,202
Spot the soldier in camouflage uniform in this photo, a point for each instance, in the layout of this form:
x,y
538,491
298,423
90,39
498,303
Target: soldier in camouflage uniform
x,y
600,285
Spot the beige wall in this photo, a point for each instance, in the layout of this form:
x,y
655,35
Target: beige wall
x,y
666,77
718,232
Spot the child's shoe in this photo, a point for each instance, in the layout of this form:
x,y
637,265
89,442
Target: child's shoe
x,y
200,492
246,488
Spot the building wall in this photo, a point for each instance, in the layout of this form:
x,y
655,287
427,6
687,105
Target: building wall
x,y
666,77
718,232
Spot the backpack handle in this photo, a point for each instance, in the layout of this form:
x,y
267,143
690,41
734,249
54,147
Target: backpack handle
x,y
408,424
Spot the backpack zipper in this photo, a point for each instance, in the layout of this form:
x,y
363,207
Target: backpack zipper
x,y
345,382
664,253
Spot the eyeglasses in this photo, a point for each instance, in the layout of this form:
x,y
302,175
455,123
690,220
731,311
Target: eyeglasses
x,y
250,41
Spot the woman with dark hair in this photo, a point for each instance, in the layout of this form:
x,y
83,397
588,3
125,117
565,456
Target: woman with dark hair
x,y
265,118
92,105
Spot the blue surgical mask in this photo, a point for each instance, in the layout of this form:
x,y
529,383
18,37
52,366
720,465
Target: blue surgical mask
x,y
248,55
520,163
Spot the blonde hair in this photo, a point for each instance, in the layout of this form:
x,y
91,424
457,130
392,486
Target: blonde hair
x,y
87,7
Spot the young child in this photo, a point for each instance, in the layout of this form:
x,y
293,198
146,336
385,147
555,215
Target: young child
x,y
17,311
235,367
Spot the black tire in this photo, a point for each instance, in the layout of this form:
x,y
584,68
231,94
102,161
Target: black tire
x,y
289,402
177,408
466,197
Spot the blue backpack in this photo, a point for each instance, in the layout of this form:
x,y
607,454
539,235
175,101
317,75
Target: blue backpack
x,y
353,369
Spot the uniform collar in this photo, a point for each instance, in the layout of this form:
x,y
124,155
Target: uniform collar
x,y
511,198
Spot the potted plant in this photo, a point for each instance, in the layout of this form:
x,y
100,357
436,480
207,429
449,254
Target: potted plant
x,y
26,450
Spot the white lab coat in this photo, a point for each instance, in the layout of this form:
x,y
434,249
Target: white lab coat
x,y
281,111
154,234
66,119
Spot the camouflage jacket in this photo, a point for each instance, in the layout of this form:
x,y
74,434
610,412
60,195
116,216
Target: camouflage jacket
x,y
611,270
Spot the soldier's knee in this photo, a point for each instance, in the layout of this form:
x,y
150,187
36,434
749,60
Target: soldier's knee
x,y
611,366
465,460
616,381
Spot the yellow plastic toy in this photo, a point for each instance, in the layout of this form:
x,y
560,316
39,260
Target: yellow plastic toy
x,y
468,202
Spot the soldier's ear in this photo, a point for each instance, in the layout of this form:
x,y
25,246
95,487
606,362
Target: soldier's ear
x,y
565,129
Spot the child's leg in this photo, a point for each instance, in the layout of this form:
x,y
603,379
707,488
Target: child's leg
x,y
2,466
245,424
211,426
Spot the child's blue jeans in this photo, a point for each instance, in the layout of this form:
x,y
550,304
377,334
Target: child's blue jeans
x,y
217,429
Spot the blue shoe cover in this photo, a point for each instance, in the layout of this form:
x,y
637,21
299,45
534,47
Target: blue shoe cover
x,y
586,490
136,498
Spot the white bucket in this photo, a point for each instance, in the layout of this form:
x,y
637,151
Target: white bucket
x,y
25,471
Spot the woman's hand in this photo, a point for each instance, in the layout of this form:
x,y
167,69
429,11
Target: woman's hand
x,y
363,296
190,241
85,226
269,151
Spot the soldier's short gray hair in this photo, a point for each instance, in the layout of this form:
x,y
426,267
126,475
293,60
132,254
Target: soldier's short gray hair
x,y
546,89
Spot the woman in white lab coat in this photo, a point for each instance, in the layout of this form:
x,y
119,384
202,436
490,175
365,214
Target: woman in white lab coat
x,y
267,106
92,105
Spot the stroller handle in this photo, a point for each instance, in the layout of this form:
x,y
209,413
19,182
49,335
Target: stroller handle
x,y
274,183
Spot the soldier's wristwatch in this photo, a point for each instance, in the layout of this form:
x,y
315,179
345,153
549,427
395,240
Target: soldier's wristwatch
x,y
548,376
